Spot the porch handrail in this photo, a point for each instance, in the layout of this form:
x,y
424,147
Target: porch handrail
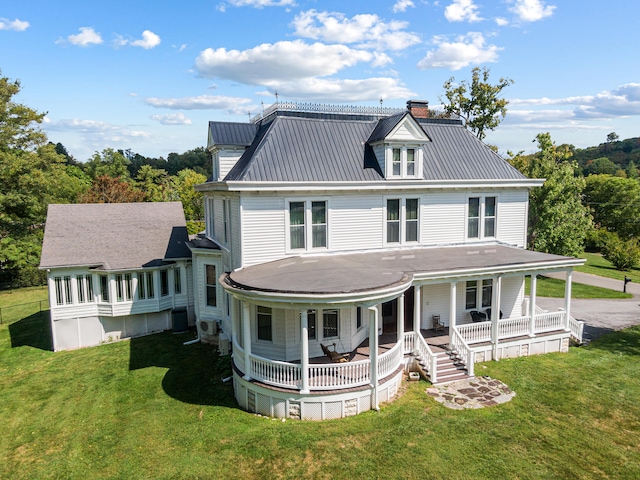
x,y
275,372
332,376
409,342
423,350
577,328
389,361
550,321
513,327
462,348
475,332
238,356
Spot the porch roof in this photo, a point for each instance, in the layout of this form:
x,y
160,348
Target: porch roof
x,y
357,273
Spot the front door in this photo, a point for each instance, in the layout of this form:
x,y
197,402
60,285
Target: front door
x,y
390,316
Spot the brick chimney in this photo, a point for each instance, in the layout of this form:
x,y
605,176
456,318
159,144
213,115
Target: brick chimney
x,y
418,108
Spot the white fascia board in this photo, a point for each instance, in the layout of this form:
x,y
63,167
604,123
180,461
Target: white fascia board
x,y
359,186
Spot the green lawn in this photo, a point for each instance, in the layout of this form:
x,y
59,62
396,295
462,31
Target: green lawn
x,y
597,265
554,287
153,408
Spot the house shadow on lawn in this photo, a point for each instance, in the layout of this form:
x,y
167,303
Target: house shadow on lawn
x,y
195,371
32,331
624,342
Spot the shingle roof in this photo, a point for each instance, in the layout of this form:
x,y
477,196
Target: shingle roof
x,y
114,236
300,149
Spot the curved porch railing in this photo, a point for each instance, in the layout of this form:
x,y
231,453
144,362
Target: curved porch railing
x,y
321,376
462,348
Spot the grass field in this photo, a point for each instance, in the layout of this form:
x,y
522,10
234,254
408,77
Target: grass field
x,y
153,408
597,265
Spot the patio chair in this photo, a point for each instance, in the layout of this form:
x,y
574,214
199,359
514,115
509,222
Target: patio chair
x,y
437,324
477,316
487,312
334,356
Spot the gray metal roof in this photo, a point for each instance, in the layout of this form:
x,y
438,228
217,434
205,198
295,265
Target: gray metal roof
x,y
300,149
231,133
114,236
361,272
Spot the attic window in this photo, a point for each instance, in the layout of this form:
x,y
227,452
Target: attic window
x,y
404,162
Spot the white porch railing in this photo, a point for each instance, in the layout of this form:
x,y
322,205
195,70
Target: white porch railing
x,y
475,332
460,346
409,342
548,322
389,361
274,372
513,327
321,376
423,351
577,328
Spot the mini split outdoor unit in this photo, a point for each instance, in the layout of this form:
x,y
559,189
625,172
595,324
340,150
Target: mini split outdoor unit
x,y
208,327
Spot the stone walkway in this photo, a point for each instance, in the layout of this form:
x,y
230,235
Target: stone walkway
x,y
476,392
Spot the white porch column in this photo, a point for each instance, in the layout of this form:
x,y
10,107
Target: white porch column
x,y
417,308
495,314
532,306
304,350
246,339
453,295
373,354
567,300
400,328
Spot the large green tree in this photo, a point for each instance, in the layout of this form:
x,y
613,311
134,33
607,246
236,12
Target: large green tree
x,y
478,103
32,175
558,221
614,204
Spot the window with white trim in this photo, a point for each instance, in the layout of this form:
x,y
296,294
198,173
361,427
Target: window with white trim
x,y
482,217
84,284
177,280
264,323
402,220
478,294
164,282
145,285
226,220
404,161
311,324
330,323
124,290
63,290
104,288
308,224
211,285
210,217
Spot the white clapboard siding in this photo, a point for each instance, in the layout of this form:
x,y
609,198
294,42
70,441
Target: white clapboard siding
x,y
356,222
236,243
511,296
443,218
226,160
512,217
435,301
263,229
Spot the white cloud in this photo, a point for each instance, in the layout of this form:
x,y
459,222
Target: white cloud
x,y
466,50
341,90
365,30
531,10
281,61
462,10
15,25
202,102
87,36
172,119
501,22
148,40
402,5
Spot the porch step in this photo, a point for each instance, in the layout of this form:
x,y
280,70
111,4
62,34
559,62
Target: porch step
x,y
449,365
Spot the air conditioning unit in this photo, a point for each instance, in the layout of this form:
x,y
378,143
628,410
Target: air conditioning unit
x,y
223,344
208,327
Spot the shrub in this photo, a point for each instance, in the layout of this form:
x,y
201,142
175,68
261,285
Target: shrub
x,y
623,254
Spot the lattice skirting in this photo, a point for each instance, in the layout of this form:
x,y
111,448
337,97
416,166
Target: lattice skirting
x,y
316,406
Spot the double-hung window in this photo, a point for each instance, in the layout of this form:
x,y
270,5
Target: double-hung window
x,y
481,217
85,288
308,224
478,294
329,323
264,320
404,162
311,324
211,281
145,285
124,290
402,220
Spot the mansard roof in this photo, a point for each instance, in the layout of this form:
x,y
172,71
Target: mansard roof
x,y
231,133
114,236
307,147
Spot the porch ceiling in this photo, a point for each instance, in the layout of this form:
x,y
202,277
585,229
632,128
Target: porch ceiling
x,y
342,274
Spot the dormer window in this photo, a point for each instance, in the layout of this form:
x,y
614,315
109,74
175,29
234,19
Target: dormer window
x,y
404,162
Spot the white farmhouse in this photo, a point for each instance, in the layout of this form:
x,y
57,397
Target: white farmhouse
x,y
343,246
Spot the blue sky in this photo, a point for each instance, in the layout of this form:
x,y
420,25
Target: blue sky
x,y
149,75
